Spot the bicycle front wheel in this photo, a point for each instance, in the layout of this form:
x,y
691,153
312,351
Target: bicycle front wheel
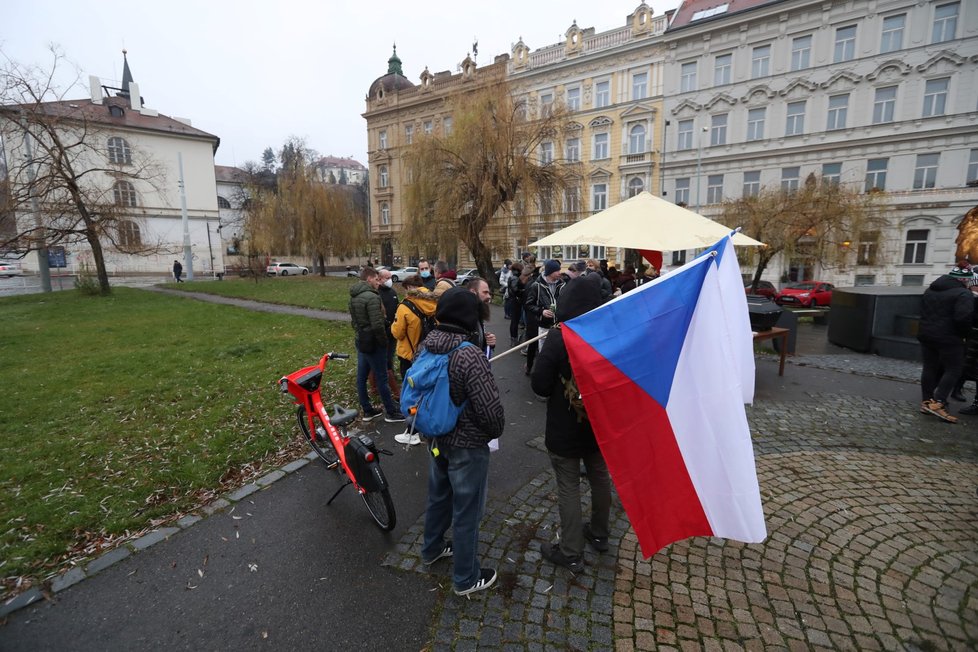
x,y
318,439
381,507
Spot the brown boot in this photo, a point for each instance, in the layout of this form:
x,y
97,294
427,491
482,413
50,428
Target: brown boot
x,y
939,410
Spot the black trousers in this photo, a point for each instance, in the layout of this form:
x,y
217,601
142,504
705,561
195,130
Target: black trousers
x,y
942,368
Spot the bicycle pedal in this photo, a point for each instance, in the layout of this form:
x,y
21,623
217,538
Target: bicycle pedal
x,y
330,467
384,451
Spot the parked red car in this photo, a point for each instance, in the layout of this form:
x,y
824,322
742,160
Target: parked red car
x,y
809,294
764,289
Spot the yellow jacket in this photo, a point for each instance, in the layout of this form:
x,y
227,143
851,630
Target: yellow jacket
x,y
406,328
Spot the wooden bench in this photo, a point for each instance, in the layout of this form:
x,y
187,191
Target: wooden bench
x,y
772,334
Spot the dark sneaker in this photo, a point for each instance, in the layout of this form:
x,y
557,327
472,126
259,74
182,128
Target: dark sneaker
x,y
971,409
939,410
394,417
598,543
445,552
487,577
958,396
556,556
370,414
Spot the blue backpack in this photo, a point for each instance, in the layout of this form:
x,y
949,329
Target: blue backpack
x,y
425,394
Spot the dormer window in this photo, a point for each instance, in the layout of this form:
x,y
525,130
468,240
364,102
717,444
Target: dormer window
x,y
119,151
116,111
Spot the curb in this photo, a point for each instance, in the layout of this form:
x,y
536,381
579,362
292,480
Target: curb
x,y
58,583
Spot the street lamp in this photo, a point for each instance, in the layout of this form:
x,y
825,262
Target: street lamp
x,y
699,161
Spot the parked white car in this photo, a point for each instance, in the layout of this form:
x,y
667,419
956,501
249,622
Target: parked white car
x,y
10,269
285,269
398,274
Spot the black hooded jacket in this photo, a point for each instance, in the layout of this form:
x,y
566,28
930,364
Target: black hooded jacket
x,y
946,312
565,434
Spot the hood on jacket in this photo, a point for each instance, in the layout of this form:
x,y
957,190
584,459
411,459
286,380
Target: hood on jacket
x,y
360,287
946,282
579,296
439,341
423,299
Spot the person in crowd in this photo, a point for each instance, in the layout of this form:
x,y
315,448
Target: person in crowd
x,y
484,340
596,268
515,290
177,271
458,469
574,269
970,369
541,303
531,273
445,276
506,273
426,274
408,327
947,310
388,297
370,339
626,281
569,437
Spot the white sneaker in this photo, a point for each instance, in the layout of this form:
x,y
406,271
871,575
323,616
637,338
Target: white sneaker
x,y
407,438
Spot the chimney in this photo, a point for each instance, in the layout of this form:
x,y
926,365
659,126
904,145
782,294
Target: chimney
x,y
134,100
95,87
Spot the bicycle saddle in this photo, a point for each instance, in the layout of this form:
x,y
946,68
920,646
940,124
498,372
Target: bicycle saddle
x,y
342,416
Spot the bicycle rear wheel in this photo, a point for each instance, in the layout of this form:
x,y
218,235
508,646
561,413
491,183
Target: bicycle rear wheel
x,y
381,507
319,440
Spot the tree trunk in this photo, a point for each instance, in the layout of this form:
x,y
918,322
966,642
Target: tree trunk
x,y
483,260
103,276
322,266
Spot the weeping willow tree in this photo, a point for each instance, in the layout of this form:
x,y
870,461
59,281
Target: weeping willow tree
x,y
298,215
491,158
822,220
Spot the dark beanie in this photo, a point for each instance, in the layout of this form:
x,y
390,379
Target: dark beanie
x,y
458,308
550,266
579,296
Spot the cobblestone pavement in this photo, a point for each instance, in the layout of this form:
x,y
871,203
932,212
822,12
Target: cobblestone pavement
x,y
872,528
864,365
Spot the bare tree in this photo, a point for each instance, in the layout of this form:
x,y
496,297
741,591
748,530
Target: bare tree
x,y
821,220
62,186
491,158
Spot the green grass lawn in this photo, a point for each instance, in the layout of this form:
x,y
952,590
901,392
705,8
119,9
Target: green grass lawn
x,y
122,411
329,293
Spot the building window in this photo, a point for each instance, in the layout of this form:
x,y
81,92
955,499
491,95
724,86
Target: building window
x,y
409,134
635,186
574,99
119,151
546,153
790,178
915,249
572,150
876,174
752,183
755,124
687,77
714,189
866,251
682,191
124,193
760,62
845,43
428,126
945,22
721,69
935,97
599,196
546,104
832,173
384,178
884,105
446,125
129,237
679,257
865,279
383,139
838,108
801,52
572,200
602,94
640,85
912,280
796,119
222,202
600,147
685,135
891,39
718,129
385,214
636,139
925,171
972,176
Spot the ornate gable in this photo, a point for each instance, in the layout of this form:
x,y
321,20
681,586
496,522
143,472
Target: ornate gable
x,y
717,99
890,70
943,60
638,109
798,88
687,107
843,78
601,121
758,93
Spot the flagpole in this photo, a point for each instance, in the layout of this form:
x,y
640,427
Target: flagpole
x,y
517,348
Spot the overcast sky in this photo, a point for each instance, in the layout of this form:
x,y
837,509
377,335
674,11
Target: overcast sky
x,y
256,73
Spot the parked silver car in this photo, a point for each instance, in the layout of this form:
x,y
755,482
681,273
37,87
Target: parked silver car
x,y
285,269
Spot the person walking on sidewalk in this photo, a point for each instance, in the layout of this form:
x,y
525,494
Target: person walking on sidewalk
x,y
946,312
370,338
458,470
569,437
177,271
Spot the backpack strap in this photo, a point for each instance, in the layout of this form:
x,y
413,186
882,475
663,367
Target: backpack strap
x,y
421,316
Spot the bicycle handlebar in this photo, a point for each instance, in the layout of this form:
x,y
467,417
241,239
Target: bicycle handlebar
x,y
339,356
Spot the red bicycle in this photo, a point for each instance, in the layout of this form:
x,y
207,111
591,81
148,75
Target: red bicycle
x,y
356,455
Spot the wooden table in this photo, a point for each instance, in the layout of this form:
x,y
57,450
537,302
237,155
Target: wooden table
x,y
770,335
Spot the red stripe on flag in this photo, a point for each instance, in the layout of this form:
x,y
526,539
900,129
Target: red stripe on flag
x,y
640,448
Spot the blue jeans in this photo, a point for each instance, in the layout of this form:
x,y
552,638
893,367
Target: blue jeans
x,y
458,482
376,362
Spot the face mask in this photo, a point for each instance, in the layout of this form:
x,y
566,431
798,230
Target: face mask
x,y
425,273
388,283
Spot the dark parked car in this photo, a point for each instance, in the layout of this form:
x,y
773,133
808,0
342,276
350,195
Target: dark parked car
x,y
809,294
764,289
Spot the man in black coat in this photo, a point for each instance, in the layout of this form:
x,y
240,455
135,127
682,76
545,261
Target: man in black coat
x,y
569,437
946,313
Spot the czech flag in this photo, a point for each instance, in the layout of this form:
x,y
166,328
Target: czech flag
x,y
663,372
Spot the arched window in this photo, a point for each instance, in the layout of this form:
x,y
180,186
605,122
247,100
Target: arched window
x,y
125,194
635,186
385,214
383,176
119,151
636,140
129,237
222,202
